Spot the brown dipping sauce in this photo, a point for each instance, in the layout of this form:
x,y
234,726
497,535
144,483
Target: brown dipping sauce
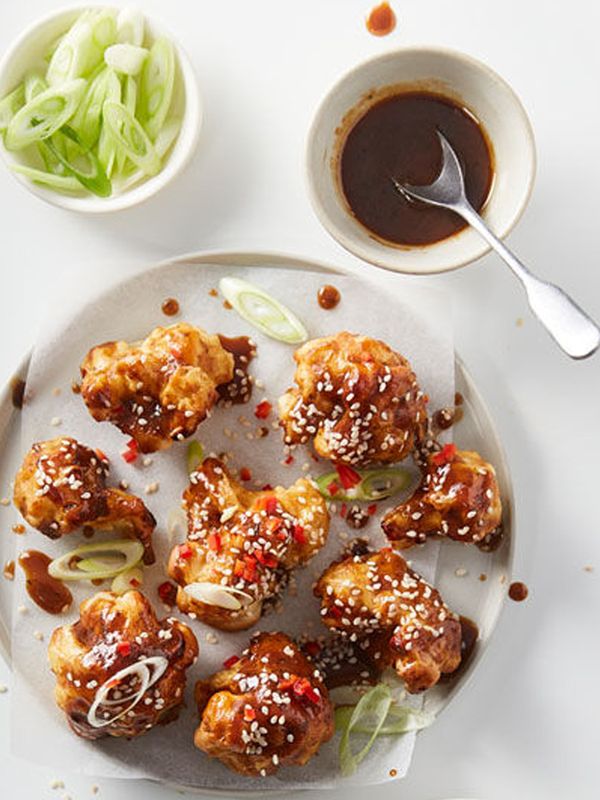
x,y
381,20
328,297
397,138
518,591
239,389
50,594
170,307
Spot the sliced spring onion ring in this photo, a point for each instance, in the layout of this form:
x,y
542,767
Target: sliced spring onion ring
x,y
95,179
87,120
148,671
62,183
81,49
400,719
176,524
130,27
9,106
126,58
375,705
34,85
195,456
131,137
156,86
66,567
46,113
126,581
375,484
263,311
213,594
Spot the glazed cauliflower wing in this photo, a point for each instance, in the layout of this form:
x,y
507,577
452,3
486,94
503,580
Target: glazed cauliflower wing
x,y
61,486
244,541
458,498
270,709
378,593
115,632
159,390
358,400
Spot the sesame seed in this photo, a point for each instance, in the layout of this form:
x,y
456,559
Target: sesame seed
x,y
460,572
55,421
3,688
38,635
152,488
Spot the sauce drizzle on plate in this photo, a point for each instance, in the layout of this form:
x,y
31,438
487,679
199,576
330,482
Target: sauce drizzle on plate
x,y
50,594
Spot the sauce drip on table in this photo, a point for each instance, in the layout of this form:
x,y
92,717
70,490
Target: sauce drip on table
x,y
381,20
170,307
328,297
397,138
518,591
239,388
50,594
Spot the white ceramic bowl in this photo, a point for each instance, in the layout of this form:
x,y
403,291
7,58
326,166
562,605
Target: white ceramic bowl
x,y
27,52
459,77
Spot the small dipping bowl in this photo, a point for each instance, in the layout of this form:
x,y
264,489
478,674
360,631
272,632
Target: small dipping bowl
x,y
27,53
469,84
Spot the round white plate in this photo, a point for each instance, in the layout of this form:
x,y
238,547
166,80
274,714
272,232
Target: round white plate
x,y
480,600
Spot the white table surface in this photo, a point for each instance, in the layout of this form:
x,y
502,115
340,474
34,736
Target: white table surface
x,y
527,724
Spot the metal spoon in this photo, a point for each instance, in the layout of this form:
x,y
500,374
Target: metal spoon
x,y
572,329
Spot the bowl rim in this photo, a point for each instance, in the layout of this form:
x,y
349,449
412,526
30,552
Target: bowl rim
x,y
366,252
188,134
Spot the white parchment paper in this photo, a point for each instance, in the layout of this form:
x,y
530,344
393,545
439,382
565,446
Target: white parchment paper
x,y
413,320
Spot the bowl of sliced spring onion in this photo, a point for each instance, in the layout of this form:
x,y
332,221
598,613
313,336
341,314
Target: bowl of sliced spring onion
x,y
99,109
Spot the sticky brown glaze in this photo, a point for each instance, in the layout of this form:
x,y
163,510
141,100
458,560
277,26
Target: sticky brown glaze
x,y
458,498
112,633
158,391
357,399
239,388
249,541
269,709
50,594
61,486
378,593
18,392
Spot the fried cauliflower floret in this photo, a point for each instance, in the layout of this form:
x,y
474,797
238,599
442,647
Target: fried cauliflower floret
x,y
243,544
61,486
357,399
458,498
270,709
378,593
160,390
112,634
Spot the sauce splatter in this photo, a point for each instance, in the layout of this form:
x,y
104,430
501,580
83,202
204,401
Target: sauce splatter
x,y
382,20
50,594
18,528
18,392
328,297
170,307
518,591
227,305
213,293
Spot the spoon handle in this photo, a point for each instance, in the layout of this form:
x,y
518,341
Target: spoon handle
x,y
570,327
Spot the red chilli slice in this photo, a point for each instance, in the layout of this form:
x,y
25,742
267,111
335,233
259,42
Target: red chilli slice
x,y
371,509
167,592
263,410
298,534
289,460
445,455
245,474
302,687
123,648
348,477
229,662
185,552
333,488
249,713
214,542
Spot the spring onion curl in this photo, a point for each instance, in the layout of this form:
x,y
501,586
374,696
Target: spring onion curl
x,y
263,311
105,57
